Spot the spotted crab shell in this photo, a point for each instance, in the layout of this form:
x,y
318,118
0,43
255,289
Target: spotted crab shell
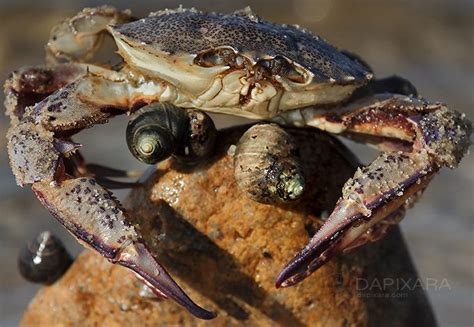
x,y
165,45
190,31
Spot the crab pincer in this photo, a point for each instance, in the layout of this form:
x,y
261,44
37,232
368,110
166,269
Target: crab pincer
x,y
101,224
366,201
41,153
431,135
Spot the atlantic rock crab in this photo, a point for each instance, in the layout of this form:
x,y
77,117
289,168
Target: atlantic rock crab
x,y
237,64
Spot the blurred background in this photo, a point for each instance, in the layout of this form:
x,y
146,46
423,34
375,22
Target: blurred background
x,y
430,42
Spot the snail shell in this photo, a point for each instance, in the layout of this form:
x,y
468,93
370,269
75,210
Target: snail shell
x,y
160,130
44,259
155,131
267,165
199,139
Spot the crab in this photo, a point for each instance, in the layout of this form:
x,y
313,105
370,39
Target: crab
x,y
237,64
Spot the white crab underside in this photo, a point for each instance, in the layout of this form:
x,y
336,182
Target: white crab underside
x,y
216,90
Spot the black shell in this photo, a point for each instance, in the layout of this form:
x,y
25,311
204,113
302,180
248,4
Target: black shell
x,y
267,165
44,260
162,125
188,135
190,31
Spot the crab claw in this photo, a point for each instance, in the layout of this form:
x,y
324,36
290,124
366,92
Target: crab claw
x,y
94,217
379,230
374,193
420,137
86,208
138,258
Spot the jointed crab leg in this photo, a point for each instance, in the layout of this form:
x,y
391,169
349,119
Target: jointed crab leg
x,y
79,37
42,154
436,136
29,85
111,172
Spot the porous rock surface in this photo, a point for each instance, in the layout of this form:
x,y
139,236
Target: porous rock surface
x,y
225,250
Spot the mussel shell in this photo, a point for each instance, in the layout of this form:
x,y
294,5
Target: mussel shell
x,y
44,260
162,126
267,165
198,142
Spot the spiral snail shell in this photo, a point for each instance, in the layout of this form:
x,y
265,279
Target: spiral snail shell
x,y
267,165
160,130
44,260
154,132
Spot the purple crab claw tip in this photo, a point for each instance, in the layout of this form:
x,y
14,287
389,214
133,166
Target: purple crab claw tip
x,y
300,267
137,257
319,251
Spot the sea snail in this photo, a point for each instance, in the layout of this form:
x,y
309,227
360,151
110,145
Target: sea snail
x,y
267,165
160,130
44,260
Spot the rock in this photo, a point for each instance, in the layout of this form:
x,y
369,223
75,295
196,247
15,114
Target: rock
x,y
225,250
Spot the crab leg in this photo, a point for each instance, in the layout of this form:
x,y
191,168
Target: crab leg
x,y
39,150
79,37
29,85
111,172
430,135
102,173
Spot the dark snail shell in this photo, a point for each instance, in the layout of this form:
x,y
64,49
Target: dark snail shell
x,y
160,130
154,132
267,165
199,139
44,260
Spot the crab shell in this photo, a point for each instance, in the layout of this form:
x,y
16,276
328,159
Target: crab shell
x,y
166,45
236,64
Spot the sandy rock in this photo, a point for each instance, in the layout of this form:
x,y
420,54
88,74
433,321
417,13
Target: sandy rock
x,y
225,250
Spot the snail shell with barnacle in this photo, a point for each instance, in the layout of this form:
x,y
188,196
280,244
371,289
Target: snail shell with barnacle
x,y
160,130
267,165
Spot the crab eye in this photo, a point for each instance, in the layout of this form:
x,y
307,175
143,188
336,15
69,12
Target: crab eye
x,y
216,57
281,66
155,131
